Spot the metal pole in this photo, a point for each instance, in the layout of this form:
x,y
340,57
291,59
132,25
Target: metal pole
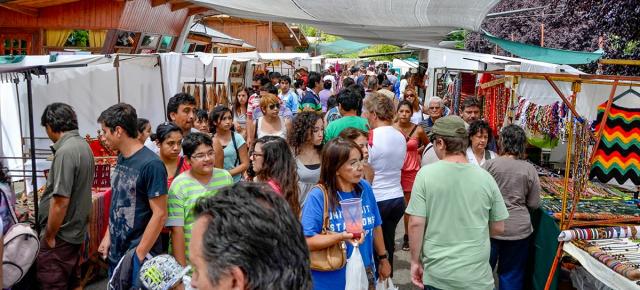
x,y
204,87
164,94
116,63
32,150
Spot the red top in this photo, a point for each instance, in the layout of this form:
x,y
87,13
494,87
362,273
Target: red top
x,y
185,166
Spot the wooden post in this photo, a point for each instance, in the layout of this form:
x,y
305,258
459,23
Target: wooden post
x,y
542,30
567,167
603,122
542,34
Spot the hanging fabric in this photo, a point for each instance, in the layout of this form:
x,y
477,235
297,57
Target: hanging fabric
x,y
618,156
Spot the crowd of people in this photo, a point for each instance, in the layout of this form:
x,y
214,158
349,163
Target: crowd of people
x,y
246,195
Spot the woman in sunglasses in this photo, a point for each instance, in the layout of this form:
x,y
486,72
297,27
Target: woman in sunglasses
x,y
271,123
411,97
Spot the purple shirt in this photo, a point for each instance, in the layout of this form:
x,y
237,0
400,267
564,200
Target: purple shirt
x,y
324,97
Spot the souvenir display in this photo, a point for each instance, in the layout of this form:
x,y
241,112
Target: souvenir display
x,y
601,233
549,120
618,155
621,255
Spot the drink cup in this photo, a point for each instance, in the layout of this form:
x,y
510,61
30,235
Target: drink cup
x,y
352,215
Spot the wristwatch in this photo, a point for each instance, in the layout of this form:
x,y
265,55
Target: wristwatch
x,y
383,256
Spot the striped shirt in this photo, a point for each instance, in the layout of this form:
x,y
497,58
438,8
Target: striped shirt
x,y
183,194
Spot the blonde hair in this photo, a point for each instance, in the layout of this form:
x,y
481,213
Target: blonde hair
x,y
268,99
415,104
381,105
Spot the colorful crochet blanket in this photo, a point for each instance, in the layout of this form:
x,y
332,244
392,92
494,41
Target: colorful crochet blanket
x,y
618,155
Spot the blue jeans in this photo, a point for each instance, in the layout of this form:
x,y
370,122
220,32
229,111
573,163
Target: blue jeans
x,y
511,268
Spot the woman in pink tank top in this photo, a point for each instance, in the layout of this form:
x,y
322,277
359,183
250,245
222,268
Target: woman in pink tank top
x,y
416,140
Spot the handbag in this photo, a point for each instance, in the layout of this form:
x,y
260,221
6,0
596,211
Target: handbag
x,y
333,257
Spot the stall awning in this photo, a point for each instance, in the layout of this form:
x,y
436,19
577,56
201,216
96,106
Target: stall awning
x,y
544,54
370,21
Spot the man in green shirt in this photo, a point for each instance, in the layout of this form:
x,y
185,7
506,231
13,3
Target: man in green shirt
x,y
348,102
200,181
454,208
66,203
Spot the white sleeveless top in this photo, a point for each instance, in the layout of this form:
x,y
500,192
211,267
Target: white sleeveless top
x,y
282,133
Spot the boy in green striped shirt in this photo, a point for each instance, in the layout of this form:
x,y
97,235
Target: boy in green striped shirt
x,y
200,181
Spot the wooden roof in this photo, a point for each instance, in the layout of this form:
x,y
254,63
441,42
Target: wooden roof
x,y
288,35
30,7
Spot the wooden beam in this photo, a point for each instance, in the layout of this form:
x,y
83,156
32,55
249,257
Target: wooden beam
x,y
155,3
181,5
20,9
620,61
197,10
572,77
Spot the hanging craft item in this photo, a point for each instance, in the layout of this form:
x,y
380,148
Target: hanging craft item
x,y
212,97
223,98
618,156
196,94
581,153
544,124
495,99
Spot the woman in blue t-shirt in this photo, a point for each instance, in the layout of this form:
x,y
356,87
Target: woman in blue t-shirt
x,y
236,156
341,174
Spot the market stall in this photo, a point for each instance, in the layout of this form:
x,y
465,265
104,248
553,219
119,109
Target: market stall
x,y
576,200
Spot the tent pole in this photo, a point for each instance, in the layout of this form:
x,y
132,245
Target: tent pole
x,y
116,63
164,94
32,150
204,87
16,81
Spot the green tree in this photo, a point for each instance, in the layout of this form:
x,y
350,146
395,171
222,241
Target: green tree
x,y
78,38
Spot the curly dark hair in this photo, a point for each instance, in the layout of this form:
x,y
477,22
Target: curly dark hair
x,y
303,125
513,140
478,127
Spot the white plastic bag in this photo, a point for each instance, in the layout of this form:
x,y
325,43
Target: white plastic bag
x,y
356,273
385,284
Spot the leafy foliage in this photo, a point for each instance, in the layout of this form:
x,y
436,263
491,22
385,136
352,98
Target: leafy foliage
x,y
78,38
569,24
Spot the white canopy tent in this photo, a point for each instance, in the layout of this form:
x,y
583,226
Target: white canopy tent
x,y
371,21
90,86
587,100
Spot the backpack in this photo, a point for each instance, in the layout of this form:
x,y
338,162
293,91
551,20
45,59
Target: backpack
x,y
7,214
21,246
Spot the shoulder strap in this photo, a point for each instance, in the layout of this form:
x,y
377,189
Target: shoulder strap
x,y
487,155
235,147
14,217
179,166
325,212
413,130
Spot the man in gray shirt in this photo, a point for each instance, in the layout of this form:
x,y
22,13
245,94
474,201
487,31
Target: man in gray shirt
x,y
66,203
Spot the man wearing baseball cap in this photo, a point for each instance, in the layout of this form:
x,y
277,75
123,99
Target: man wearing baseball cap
x,y
454,208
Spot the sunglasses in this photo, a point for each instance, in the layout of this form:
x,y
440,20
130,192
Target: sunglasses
x,y
274,106
409,95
